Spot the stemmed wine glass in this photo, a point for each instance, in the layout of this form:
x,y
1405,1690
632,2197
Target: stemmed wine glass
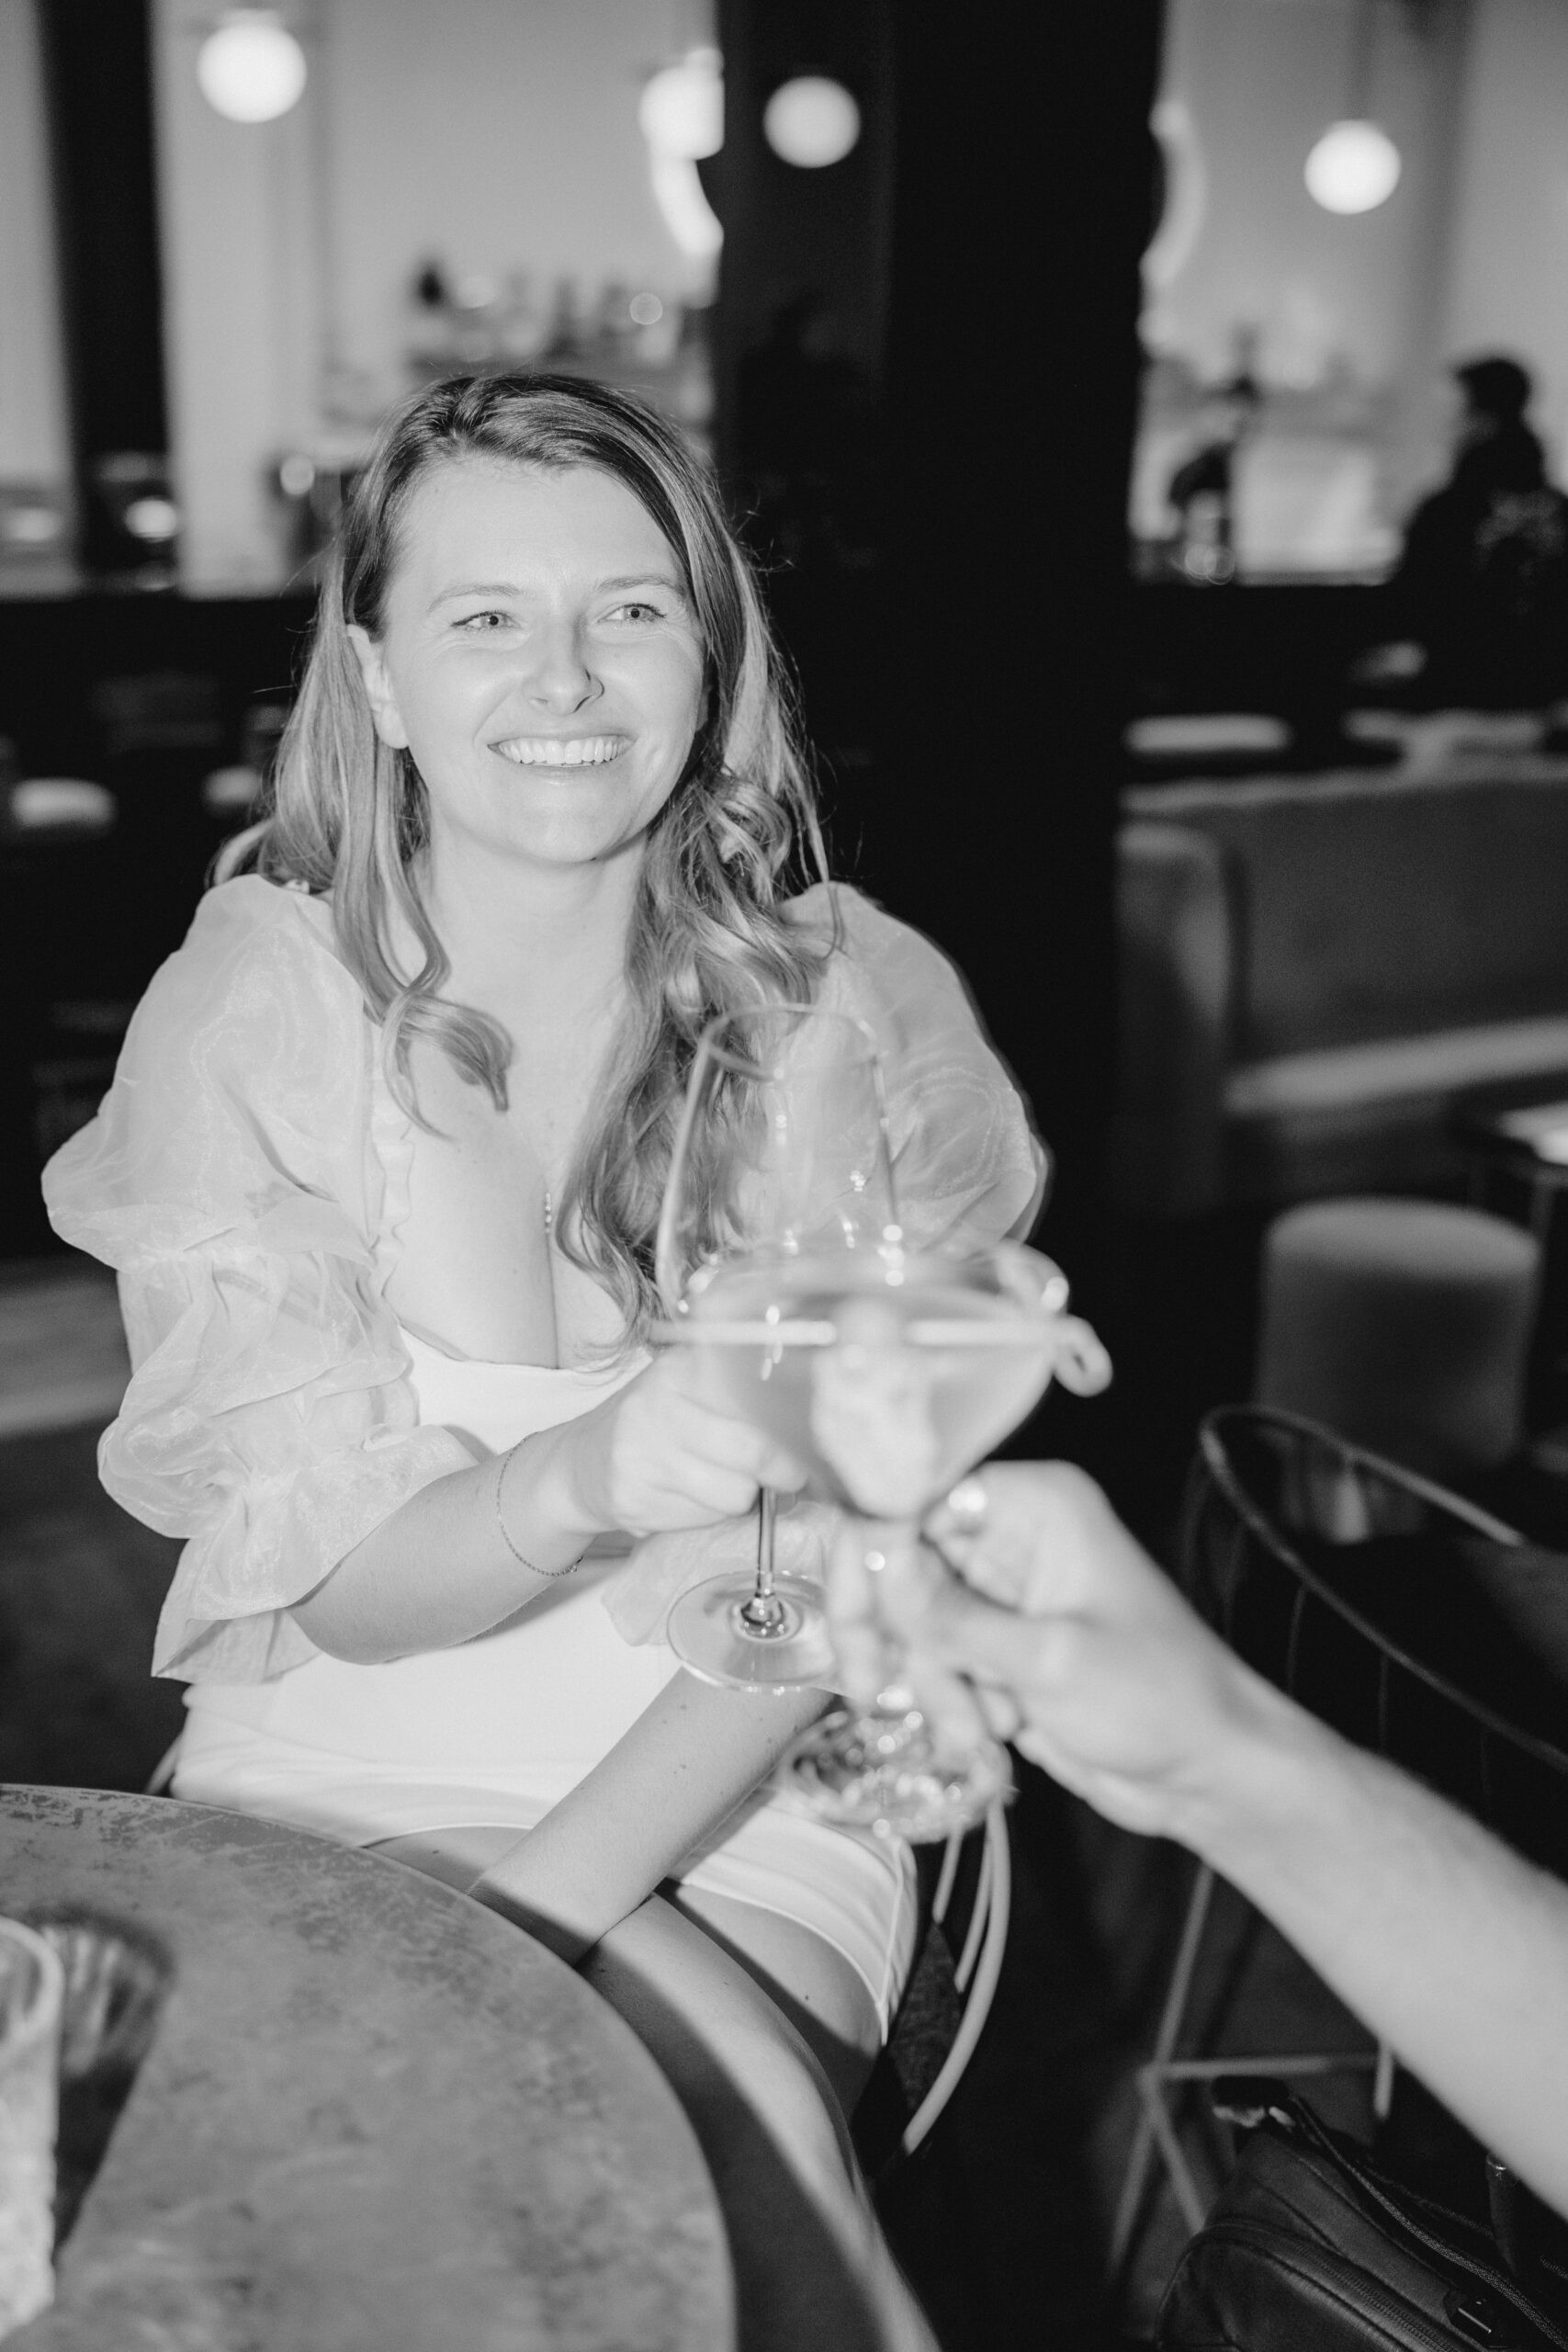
x,y
922,1381
780,1175
888,1372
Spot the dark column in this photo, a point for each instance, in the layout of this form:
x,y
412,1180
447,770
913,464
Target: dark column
x,y
962,643
98,74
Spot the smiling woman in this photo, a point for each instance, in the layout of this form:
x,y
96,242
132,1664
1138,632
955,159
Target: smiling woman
x,y
536,625
381,1173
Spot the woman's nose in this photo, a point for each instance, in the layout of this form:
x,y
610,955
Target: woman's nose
x,y
556,672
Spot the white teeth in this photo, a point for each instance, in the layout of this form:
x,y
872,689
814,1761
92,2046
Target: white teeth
x,y
562,752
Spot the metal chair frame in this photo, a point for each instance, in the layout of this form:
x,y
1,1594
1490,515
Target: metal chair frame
x,y
1351,1487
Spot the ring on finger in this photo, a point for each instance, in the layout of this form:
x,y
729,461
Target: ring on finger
x,y
965,1507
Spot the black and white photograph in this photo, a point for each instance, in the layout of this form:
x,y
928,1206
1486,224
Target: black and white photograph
x,y
784,1176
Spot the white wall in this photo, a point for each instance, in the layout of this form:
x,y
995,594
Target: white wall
x,y
241,308
499,134
1508,285
1261,79
33,445
1469,255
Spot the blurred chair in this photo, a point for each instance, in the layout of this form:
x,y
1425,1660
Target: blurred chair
x,y
1341,957
1173,974
229,794
60,804
1404,1325
1206,743
1417,1625
62,878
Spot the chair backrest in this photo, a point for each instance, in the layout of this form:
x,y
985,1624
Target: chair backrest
x,y
1412,1622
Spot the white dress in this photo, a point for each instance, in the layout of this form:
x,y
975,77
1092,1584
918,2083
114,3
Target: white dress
x,y
247,1175
495,1730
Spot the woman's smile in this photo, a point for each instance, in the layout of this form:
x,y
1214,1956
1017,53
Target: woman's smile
x,y
562,750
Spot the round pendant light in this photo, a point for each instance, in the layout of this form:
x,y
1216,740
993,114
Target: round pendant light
x,y
680,111
251,69
811,121
1354,167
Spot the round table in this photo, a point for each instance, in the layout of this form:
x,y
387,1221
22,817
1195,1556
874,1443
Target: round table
x,y
374,2117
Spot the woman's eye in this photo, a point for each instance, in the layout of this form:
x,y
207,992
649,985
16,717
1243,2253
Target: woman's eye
x,y
640,614
482,624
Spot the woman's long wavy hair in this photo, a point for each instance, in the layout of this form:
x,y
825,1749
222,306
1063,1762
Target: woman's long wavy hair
x,y
348,816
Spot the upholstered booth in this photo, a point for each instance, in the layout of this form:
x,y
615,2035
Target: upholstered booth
x,y
1314,968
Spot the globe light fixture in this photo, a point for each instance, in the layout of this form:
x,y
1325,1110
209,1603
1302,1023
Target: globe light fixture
x,y
1354,167
680,111
811,121
681,115
251,69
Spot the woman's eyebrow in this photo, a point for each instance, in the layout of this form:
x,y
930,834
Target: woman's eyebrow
x,y
601,587
477,588
642,579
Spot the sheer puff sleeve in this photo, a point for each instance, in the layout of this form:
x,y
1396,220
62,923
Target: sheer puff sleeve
x,y
966,1166
230,1177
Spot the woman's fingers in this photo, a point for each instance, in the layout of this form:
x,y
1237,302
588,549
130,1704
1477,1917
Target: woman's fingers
x,y
678,1460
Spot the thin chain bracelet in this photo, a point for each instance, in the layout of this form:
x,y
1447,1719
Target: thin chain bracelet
x,y
522,1561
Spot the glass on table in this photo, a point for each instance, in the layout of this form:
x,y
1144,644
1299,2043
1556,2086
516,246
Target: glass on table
x,y
32,2000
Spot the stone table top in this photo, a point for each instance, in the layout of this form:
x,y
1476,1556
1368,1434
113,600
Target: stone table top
x,y
375,2116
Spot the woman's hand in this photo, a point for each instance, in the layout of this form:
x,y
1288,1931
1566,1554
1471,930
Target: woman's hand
x,y
660,1453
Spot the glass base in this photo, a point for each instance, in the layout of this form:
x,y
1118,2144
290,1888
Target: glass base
x,y
710,1635
886,1772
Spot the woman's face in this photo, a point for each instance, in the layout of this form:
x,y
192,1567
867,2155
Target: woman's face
x,y
539,657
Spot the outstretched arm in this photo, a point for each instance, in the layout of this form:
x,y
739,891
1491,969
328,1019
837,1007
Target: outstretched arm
x,y
685,1764
1448,1945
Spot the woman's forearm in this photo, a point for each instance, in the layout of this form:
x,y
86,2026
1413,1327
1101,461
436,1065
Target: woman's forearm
x,y
685,1765
1449,1946
440,1569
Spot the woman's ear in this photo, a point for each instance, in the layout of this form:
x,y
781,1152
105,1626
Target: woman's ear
x,y
384,712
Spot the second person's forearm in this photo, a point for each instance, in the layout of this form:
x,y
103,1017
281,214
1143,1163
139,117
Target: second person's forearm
x,y
1447,1945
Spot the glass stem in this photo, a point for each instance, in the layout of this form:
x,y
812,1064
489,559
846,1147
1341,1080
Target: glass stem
x,y
898,1542
764,1611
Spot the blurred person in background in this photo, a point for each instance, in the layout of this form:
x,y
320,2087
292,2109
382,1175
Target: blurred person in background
x,y
1482,583
1202,491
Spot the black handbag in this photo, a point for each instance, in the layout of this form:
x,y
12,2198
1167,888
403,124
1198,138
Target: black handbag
x,y
1310,2248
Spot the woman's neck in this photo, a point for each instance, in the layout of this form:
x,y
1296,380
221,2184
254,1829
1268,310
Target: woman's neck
x,y
531,943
